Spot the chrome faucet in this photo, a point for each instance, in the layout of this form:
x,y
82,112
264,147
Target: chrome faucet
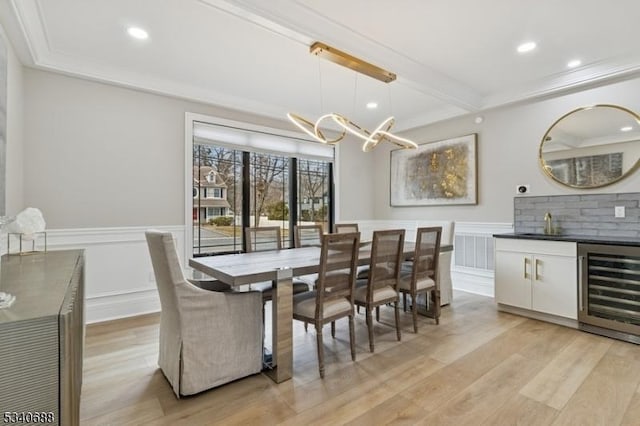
x,y
548,228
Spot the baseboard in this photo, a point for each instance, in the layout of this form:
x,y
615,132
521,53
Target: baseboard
x,y
473,281
107,308
567,322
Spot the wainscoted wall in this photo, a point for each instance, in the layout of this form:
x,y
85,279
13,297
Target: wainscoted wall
x,y
120,280
472,265
591,214
472,268
119,277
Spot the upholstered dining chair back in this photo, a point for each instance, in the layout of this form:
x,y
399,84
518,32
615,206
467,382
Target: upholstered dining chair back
x,y
308,235
263,238
425,259
386,260
207,338
421,275
341,228
337,275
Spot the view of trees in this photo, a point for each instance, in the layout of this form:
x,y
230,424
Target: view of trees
x,y
268,190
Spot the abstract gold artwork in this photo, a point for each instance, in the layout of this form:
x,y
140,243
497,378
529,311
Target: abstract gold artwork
x,y
436,173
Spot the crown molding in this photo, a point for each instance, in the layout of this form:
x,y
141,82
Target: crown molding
x,y
298,22
598,73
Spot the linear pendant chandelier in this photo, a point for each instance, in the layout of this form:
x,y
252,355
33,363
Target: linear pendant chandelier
x,y
371,138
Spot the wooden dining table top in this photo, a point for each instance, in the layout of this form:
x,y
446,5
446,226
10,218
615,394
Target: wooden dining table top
x,y
246,268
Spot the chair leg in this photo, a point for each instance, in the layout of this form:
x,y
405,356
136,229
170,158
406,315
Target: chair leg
x,y
414,313
333,329
320,350
396,308
378,313
370,327
404,301
352,338
435,296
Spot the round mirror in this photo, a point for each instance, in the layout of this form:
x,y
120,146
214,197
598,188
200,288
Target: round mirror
x,y
592,146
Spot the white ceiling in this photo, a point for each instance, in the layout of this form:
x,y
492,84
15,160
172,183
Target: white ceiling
x,y
452,57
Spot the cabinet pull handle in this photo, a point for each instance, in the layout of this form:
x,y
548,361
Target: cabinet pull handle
x,y
580,283
525,267
537,276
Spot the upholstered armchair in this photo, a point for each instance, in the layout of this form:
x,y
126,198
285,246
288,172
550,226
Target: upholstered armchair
x,y
207,338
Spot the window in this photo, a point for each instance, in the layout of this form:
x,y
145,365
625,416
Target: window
x,y
255,188
213,192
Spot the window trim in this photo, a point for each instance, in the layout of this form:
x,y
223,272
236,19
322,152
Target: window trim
x,y
190,119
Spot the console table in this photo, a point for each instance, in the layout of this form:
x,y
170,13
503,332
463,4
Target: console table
x,y
42,337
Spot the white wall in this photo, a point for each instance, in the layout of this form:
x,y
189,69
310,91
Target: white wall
x,y
103,156
508,142
104,163
14,200
356,191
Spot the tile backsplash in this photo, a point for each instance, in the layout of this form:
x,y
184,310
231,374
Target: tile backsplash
x,y
587,215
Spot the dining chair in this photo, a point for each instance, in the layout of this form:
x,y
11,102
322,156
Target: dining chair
x,y
332,298
340,228
207,338
420,276
381,286
268,238
307,235
262,238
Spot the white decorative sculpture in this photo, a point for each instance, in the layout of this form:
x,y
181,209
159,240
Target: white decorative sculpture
x,y
28,222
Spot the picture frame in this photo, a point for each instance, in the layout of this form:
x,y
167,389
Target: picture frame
x,y
436,173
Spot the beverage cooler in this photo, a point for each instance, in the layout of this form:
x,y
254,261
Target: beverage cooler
x,y
609,290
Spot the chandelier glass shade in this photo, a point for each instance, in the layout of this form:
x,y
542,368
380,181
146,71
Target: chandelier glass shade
x,y
346,126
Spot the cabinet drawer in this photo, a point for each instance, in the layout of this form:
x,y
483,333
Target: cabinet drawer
x,y
557,248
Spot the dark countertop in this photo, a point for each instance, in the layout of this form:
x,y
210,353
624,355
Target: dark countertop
x,y
584,239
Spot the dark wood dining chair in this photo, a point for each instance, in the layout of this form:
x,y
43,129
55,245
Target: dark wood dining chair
x,y
381,286
420,276
341,228
307,235
332,298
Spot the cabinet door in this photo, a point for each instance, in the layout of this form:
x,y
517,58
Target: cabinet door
x,y
554,288
513,278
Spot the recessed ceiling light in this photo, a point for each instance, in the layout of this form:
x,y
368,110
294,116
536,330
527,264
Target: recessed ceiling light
x,y
138,33
626,129
372,105
526,47
574,63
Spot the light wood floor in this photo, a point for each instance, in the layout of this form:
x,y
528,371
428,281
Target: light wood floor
x,y
478,367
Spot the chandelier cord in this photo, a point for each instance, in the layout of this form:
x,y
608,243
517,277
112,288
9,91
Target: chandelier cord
x,y
320,85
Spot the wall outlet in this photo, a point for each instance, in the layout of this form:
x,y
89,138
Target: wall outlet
x,y
523,189
619,211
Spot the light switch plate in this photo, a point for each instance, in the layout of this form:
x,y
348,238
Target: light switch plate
x,y
619,211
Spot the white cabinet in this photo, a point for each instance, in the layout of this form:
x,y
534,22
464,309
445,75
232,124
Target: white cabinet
x,y
537,275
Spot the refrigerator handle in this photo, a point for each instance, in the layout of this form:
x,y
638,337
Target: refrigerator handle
x,y
580,283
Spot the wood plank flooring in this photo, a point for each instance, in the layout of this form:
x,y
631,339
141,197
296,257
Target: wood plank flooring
x,y
478,367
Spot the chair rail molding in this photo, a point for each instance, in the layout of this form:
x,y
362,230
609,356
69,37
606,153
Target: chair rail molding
x,y
119,276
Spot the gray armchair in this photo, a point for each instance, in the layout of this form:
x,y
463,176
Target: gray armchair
x,y
207,338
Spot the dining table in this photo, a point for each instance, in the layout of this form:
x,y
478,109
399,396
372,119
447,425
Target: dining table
x,y
279,267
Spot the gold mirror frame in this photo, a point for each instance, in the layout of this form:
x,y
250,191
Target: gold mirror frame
x,y
546,168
